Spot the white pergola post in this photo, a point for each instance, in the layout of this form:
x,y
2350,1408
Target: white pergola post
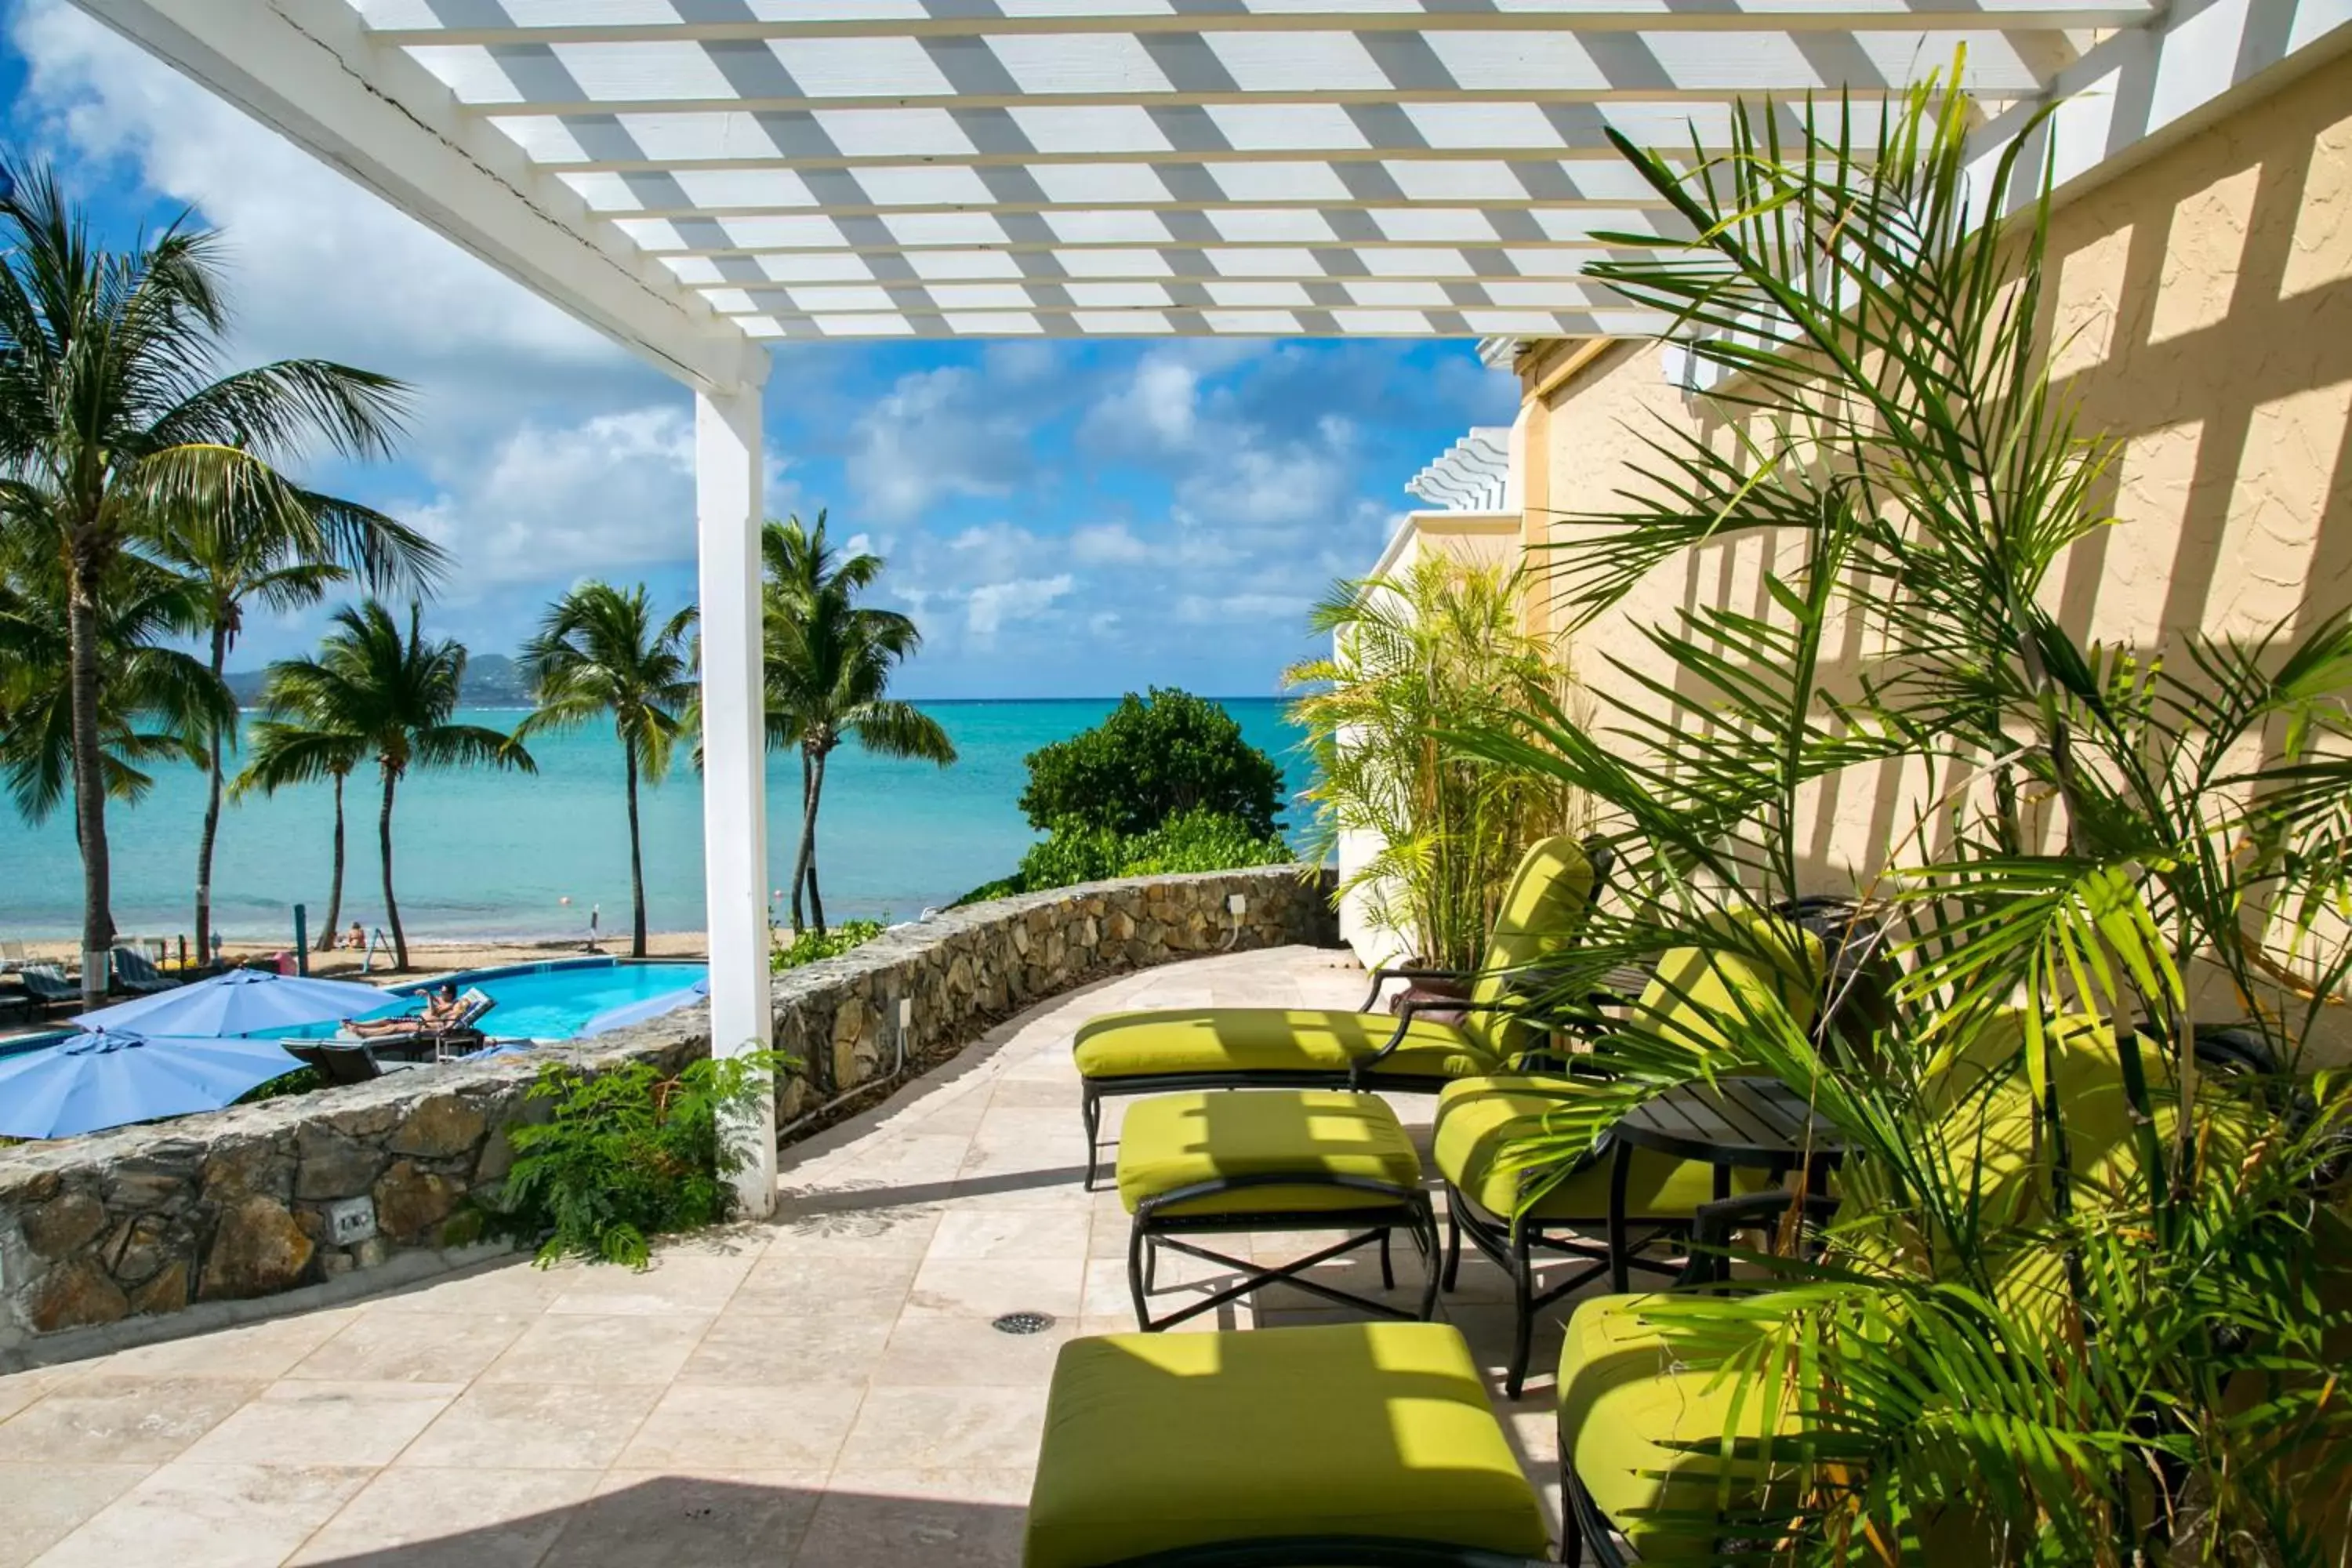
x,y
734,756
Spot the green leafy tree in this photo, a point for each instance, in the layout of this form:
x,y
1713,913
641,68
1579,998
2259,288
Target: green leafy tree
x,y
829,662
1152,758
1441,646
157,702
115,421
238,553
600,651
2019,1356
398,693
303,745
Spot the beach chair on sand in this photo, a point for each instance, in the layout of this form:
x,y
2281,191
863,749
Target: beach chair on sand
x,y
12,956
136,972
47,984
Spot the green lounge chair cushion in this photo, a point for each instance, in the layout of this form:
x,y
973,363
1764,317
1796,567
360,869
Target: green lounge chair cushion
x,y
1624,1412
1479,1118
1155,1442
1693,988
1172,1141
1269,1040
1543,910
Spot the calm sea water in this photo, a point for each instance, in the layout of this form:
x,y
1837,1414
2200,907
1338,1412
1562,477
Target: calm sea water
x,y
492,854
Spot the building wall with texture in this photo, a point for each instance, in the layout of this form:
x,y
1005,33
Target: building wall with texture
x,y
2201,308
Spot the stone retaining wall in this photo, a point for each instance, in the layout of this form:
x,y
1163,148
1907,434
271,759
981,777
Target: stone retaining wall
x,y
99,1235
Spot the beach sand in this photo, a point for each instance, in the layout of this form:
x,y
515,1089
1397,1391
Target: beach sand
x,y
427,957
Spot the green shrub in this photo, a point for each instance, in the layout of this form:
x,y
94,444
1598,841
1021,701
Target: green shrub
x,y
1151,759
628,1154
1191,841
301,1080
812,945
1069,854
1201,841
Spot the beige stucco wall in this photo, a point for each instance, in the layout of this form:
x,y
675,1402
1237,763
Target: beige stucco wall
x,y
2202,306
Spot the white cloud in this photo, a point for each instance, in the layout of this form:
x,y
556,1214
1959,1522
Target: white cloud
x,y
613,490
937,433
1284,610
1108,543
1022,599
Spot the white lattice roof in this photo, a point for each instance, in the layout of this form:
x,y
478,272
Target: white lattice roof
x,y
767,169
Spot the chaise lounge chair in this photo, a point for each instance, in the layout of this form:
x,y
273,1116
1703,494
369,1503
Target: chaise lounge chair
x,y
1479,1119
1153,1052
1641,1428
48,987
337,1061
135,974
460,1037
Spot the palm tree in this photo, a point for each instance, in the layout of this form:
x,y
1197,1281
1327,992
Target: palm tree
x,y
828,664
290,750
599,651
395,692
113,423
156,703
236,554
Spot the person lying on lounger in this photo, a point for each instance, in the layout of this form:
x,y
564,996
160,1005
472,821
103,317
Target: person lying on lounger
x,y
441,1011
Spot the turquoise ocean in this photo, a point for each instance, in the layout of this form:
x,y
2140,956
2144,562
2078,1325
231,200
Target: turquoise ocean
x,y
480,854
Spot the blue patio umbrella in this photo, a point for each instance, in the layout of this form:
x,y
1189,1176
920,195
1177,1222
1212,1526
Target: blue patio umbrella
x,y
240,1002
110,1077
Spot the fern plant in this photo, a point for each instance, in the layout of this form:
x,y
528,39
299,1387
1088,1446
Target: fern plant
x,y
628,1153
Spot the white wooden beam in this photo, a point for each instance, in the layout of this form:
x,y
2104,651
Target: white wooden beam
x,y
306,68
727,513
413,22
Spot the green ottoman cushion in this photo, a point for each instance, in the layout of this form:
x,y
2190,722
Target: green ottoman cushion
x,y
1159,1441
1173,1140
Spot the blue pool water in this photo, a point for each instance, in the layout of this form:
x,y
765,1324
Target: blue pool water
x,y
566,1001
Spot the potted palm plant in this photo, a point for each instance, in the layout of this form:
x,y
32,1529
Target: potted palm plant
x,y
2098,1344
1439,645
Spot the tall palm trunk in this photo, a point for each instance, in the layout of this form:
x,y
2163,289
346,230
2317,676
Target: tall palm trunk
x,y
89,776
637,860
212,811
808,838
383,848
335,887
808,844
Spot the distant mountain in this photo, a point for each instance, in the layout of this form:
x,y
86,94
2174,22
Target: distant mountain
x,y
491,681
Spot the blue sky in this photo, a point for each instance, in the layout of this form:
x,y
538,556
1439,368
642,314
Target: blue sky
x,y
1063,519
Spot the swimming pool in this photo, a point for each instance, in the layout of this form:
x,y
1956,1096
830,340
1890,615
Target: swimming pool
x,y
568,1000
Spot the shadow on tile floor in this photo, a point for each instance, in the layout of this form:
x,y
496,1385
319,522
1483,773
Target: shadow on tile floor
x,y
674,1522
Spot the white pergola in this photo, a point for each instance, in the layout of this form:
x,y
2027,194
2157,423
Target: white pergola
x,y
696,178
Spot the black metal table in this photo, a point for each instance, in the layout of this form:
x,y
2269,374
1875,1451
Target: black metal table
x,y
1759,1124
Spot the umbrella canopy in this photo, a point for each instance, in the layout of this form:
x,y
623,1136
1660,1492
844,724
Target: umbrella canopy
x,y
239,1002
110,1077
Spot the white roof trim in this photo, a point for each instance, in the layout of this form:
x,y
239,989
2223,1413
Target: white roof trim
x,y
692,176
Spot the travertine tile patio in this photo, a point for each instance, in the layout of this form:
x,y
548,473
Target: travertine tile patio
x,y
823,1389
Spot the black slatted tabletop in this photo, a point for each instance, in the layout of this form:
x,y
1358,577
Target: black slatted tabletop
x,y
1756,1121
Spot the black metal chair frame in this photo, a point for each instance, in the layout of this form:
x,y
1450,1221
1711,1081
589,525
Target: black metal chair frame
x,y
1517,1250
1153,1228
